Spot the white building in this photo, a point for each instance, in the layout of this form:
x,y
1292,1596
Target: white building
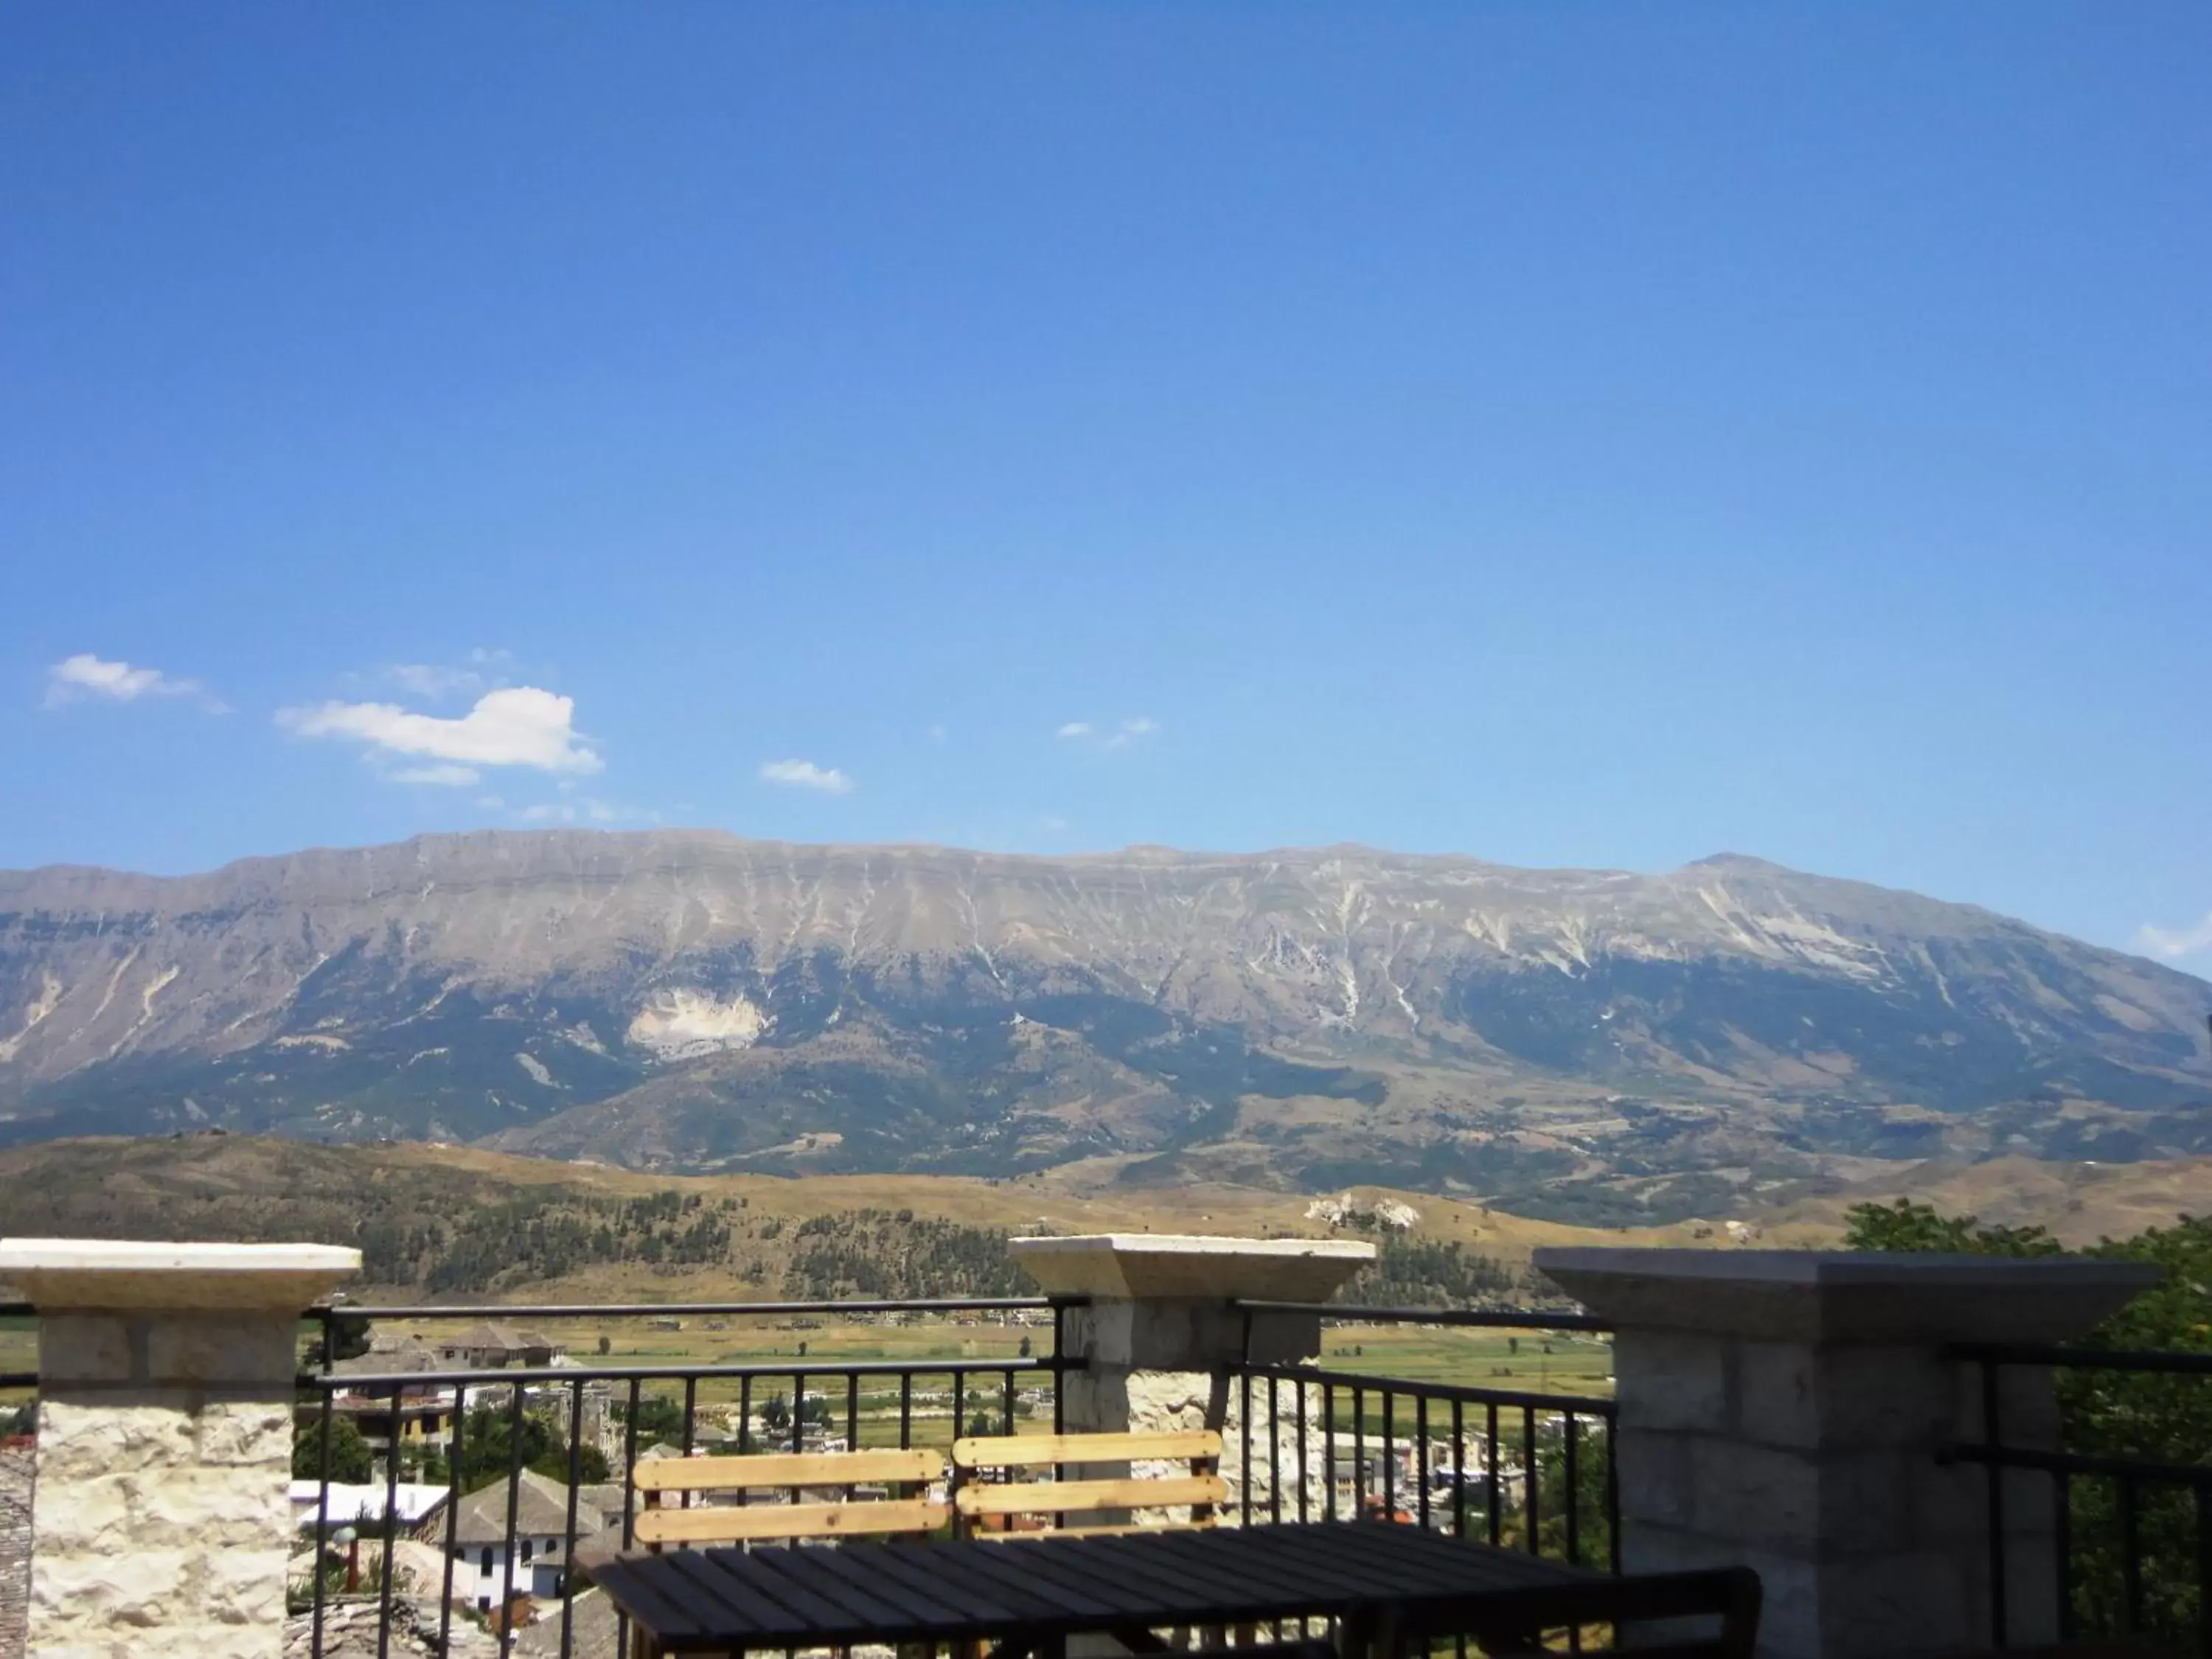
x,y
362,1507
487,1572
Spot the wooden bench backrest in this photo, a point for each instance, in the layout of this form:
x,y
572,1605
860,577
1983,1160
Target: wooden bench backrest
x,y
1072,1500
658,1479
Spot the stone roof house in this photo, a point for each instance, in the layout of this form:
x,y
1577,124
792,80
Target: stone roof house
x,y
497,1344
488,1569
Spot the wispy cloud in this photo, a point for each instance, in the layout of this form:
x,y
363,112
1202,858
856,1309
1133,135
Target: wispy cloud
x,y
482,672
805,774
84,675
1132,731
516,725
2169,943
585,810
1118,735
445,772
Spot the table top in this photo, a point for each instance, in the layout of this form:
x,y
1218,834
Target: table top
x,y
915,1590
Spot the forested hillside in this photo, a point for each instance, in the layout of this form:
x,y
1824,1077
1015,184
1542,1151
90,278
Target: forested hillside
x,y
467,1227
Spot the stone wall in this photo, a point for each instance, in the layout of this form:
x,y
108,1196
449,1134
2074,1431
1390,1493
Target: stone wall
x,y
1786,1410
167,1373
16,1467
161,1484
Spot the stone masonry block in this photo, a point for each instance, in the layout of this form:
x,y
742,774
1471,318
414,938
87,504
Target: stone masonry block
x,y
1653,1472
1738,1491
76,1596
228,1507
86,1517
1950,1505
1890,1606
246,1586
251,1431
1789,1620
213,1348
1171,1400
82,1441
77,1348
1795,1395
1670,1379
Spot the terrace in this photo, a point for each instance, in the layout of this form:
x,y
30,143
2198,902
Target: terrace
x,y
1878,1437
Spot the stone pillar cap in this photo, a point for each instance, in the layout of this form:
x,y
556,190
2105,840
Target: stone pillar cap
x,y
1187,1267
59,1275
1847,1295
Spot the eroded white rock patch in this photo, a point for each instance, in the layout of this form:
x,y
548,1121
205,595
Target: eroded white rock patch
x,y
680,1024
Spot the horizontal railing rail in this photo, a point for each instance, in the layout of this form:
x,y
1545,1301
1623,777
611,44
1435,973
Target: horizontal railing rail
x,y
2129,1518
490,1310
375,1382
1531,1319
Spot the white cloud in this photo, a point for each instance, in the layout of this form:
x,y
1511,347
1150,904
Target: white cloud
x,y
86,676
2176,942
1141,726
516,725
937,734
805,774
1074,729
456,777
430,679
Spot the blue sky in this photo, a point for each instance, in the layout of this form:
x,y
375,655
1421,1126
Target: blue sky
x,y
1563,433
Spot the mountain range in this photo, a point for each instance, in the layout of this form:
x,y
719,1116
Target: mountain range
x,y
1591,1045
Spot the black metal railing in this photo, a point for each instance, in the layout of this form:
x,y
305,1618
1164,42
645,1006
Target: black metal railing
x,y
1524,1468
478,1431
2123,1532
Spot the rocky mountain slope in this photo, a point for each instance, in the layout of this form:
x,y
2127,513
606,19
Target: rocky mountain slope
x,y
1609,1044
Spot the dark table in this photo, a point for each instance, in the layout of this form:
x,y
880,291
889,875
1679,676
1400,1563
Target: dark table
x,y
1034,1592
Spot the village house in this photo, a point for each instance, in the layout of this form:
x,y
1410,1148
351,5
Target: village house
x,y
488,1569
494,1345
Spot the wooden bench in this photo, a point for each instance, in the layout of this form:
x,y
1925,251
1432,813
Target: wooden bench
x,y
797,1473
1000,1506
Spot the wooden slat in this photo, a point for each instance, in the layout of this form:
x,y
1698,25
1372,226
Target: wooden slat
x,y
786,1469
1073,1497
1027,1450
1121,1531
722,1522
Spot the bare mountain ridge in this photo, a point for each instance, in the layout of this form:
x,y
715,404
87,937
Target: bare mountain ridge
x,y
688,999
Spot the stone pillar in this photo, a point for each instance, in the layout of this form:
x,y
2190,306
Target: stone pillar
x,y
159,1523
1160,1333
1783,1410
